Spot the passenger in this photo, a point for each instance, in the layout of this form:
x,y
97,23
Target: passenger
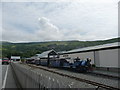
x,y
77,59
88,62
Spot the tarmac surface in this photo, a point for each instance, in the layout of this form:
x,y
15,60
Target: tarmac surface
x,y
8,80
4,68
0,76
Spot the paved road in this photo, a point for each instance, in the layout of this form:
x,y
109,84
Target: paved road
x,y
4,68
0,76
7,77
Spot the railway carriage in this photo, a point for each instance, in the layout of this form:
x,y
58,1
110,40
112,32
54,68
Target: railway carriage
x,y
51,59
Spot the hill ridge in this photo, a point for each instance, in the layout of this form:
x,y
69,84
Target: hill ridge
x,y
32,48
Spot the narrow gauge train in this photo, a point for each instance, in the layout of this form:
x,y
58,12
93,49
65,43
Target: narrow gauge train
x,y
76,64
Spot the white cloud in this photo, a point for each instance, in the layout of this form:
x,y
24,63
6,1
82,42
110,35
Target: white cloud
x,y
48,31
16,36
46,25
59,21
0,21
96,1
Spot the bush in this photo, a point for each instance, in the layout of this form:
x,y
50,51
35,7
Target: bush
x,y
22,60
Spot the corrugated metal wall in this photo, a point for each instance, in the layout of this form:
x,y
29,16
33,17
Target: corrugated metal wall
x,y
108,58
101,58
84,56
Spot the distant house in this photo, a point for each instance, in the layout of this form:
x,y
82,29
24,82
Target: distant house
x,y
47,56
15,58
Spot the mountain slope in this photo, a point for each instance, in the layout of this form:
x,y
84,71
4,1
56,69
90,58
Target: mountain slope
x,y
32,48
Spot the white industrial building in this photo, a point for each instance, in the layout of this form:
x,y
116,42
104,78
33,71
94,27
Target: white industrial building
x,y
15,58
102,55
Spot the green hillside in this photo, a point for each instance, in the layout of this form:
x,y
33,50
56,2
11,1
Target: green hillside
x,y
32,48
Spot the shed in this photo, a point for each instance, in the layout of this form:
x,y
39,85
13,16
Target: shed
x,y
105,55
15,58
47,55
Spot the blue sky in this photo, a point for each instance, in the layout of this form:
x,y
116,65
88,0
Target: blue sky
x,y
51,21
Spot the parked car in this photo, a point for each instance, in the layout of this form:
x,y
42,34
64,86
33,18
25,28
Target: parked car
x,y
5,61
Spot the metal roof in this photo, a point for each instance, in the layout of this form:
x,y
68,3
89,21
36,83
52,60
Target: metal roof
x,y
45,54
15,57
95,47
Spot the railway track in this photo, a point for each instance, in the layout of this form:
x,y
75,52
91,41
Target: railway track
x,y
99,85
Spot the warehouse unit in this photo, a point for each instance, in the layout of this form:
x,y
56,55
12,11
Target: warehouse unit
x,y
15,58
102,55
84,56
108,58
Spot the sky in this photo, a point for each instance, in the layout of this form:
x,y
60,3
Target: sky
x,y
59,21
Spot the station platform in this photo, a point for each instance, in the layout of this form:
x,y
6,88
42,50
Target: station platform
x,y
107,73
